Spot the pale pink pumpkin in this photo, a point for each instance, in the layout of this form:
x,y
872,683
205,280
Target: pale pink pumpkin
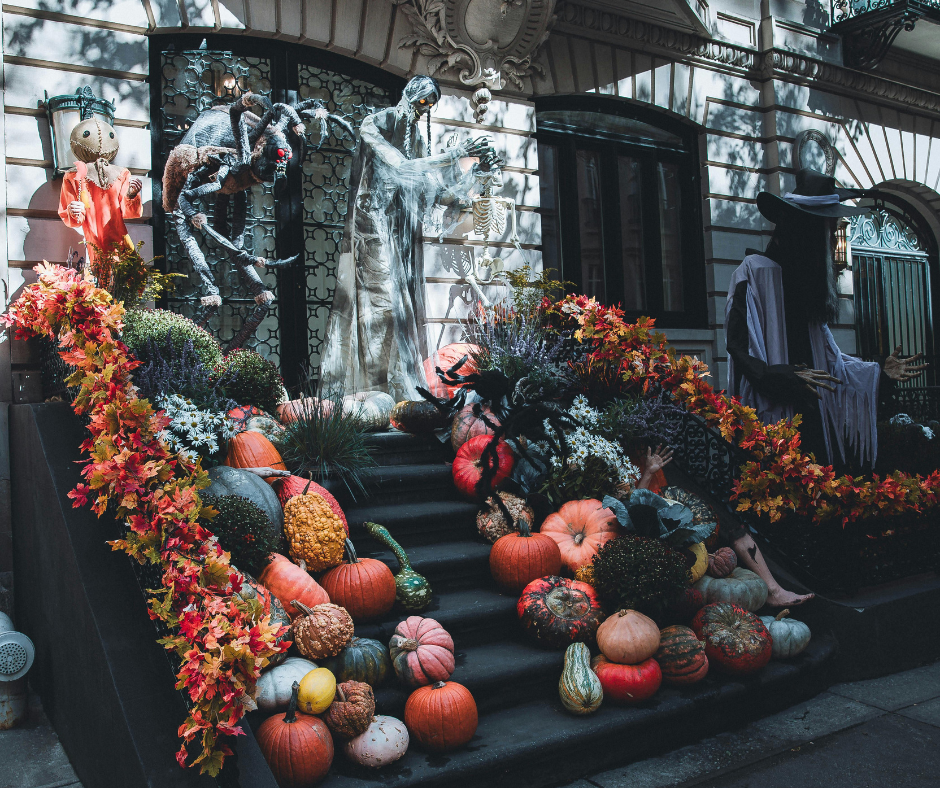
x,y
422,652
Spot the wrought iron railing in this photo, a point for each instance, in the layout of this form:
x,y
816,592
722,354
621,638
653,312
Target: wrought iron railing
x,y
869,27
921,403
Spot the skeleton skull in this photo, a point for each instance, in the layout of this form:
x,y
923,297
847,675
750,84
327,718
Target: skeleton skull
x,y
93,139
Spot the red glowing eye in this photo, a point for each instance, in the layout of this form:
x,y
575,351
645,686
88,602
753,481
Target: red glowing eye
x,y
281,153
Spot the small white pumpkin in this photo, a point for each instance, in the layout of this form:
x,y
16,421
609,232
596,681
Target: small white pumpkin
x,y
372,408
274,685
384,742
742,587
790,636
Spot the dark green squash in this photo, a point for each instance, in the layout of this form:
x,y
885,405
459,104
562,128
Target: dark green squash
x,y
363,660
412,591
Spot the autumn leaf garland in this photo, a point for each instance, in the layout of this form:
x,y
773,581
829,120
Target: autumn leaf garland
x,y
221,639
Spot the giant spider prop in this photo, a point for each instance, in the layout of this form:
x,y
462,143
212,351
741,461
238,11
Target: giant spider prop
x,y
520,417
226,151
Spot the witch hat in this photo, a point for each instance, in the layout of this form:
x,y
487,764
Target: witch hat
x,y
815,194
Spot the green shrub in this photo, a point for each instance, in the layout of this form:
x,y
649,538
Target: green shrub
x,y
149,327
639,573
250,379
243,529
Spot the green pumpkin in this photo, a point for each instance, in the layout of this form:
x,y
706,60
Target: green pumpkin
x,y
579,687
363,660
412,591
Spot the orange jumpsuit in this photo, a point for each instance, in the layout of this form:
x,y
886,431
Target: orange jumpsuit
x,y
105,209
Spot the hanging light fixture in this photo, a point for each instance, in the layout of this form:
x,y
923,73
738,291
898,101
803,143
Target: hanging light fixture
x,y
843,253
67,111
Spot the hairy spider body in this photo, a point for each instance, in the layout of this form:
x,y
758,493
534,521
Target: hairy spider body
x,y
228,150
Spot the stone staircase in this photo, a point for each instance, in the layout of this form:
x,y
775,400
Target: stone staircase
x,y
525,738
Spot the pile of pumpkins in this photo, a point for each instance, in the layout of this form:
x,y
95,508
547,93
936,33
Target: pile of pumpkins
x,y
330,703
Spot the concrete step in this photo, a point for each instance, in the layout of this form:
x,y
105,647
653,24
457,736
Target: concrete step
x,y
537,744
413,523
446,565
389,484
400,448
472,615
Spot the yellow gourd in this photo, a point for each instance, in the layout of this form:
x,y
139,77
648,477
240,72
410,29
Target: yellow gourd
x,y
314,533
316,691
697,570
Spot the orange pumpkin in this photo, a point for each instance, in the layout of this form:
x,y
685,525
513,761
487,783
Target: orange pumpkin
x,y
442,716
580,528
252,450
288,581
298,747
628,638
519,558
445,358
364,586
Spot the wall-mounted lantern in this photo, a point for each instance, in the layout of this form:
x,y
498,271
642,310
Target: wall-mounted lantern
x,y
843,251
65,113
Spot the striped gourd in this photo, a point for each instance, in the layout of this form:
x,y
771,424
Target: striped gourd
x,y
579,688
681,656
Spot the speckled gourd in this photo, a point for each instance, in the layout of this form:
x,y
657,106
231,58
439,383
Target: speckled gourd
x,y
314,533
579,688
412,591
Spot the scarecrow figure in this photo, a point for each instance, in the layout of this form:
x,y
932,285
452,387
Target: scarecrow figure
x,y
375,336
100,197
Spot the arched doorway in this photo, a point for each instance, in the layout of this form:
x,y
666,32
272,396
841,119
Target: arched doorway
x,y
893,257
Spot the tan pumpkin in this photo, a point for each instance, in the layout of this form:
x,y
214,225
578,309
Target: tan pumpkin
x,y
351,711
580,528
492,523
628,637
321,631
314,532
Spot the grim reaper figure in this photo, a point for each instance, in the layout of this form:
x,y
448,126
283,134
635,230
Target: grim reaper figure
x,y
376,336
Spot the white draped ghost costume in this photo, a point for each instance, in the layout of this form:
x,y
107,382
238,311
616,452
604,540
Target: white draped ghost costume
x,y
376,335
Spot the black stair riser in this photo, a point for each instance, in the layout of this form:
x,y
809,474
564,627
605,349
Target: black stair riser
x,y
411,533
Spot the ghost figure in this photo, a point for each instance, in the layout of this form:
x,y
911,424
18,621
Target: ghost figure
x,y
99,197
375,337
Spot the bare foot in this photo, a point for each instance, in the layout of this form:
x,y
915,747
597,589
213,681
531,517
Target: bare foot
x,y
783,598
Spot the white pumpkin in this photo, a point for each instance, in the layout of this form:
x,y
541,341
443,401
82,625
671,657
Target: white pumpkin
x,y
372,408
742,587
274,685
790,636
384,742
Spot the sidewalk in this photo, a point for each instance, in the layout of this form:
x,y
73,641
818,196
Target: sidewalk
x,y
882,733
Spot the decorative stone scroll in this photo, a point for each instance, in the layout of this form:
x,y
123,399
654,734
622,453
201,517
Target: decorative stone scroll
x,y
487,42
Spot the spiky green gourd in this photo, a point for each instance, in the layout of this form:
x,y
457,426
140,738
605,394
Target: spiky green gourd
x,y
412,591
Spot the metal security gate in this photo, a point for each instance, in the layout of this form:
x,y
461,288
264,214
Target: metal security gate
x,y
893,300
303,216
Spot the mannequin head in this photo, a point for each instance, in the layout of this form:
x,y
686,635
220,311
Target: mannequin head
x,y
93,139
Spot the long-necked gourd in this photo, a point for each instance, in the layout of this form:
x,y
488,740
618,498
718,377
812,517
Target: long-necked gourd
x,y
412,591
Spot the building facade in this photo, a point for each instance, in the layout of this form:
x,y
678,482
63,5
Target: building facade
x,y
636,138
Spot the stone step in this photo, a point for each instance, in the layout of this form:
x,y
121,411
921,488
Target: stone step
x,y
470,615
389,484
401,448
537,743
446,565
413,523
499,675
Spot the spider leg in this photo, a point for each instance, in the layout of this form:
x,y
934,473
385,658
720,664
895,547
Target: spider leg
x,y
248,327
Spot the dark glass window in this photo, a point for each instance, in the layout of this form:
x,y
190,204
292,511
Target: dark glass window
x,y
620,206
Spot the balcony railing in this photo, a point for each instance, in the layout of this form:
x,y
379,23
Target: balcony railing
x,y
869,27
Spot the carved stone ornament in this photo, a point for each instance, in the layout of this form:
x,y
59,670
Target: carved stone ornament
x,y
487,42
813,149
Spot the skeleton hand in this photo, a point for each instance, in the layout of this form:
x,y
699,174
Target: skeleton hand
x,y
816,379
134,187
299,129
77,211
197,220
902,369
261,262
211,300
264,298
480,147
